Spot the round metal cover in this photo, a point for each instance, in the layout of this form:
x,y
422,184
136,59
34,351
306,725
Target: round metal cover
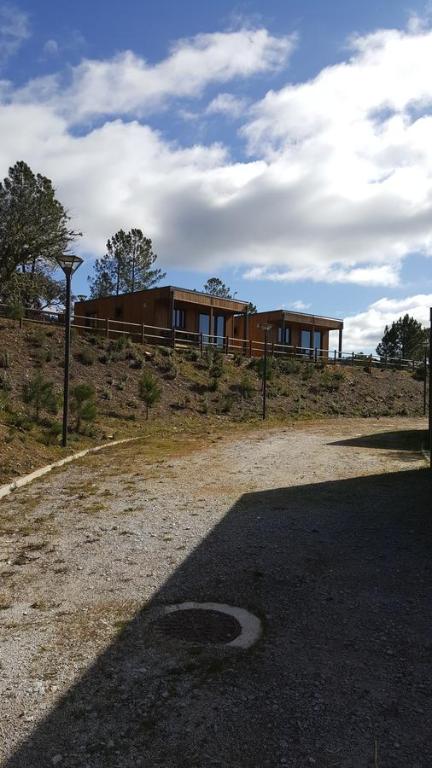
x,y
209,624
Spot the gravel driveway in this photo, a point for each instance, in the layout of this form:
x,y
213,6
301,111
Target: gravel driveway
x,y
323,531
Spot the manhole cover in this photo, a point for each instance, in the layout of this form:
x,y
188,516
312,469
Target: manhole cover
x,y
198,626
209,624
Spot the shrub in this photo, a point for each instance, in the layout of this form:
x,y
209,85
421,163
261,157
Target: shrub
x,y
204,408
4,360
83,404
216,367
164,351
227,404
53,433
39,393
136,362
86,356
19,421
247,387
171,371
5,383
37,338
287,365
149,391
193,355
270,369
330,380
308,370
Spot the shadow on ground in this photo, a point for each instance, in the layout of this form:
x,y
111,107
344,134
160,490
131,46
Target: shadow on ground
x,y
410,440
341,573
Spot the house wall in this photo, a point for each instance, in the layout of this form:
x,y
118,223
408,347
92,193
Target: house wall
x,y
154,307
278,319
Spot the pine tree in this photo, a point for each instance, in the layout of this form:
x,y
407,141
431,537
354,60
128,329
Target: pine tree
x,y
404,339
126,266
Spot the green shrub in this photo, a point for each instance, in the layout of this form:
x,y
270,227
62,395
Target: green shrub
x,y
331,380
270,368
5,382
308,370
4,360
19,421
164,351
86,356
83,404
246,387
51,436
149,391
227,404
287,365
204,405
39,394
37,338
171,371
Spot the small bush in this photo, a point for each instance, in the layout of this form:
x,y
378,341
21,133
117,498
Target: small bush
x,y
164,351
287,365
4,360
204,406
83,404
20,421
330,380
37,338
193,355
247,387
136,362
5,383
39,394
308,370
149,391
270,369
171,371
227,404
86,356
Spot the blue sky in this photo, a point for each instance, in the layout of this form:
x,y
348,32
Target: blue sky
x,y
283,146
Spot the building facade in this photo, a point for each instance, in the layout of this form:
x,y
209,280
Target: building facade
x,y
297,330
189,312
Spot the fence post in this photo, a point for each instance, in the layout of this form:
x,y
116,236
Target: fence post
x,y
316,355
106,327
334,356
353,358
250,348
201,343
173,338
142,333
226,344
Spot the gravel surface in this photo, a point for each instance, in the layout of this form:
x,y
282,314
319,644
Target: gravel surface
x,y
322,530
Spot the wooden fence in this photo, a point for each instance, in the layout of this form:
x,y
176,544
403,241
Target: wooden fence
x,y
179,339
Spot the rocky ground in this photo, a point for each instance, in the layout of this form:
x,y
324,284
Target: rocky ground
x,y
323,531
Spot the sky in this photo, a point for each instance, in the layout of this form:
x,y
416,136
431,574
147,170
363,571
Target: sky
x,y
284,146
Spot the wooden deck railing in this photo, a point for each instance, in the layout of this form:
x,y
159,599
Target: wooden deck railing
x,y
181,339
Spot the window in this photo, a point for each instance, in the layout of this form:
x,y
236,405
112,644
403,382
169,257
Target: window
x,y
284,335
179,318
318,340
219,327
306,340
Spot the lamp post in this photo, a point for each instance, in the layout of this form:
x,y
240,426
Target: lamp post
x,y
266,327
430,388
69,264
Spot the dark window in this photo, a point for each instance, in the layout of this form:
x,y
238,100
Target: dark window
x,y
204,326
284,335
318,340
118,313
179,318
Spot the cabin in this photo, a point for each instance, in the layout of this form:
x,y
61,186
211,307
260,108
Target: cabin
x,y
186,311
290,331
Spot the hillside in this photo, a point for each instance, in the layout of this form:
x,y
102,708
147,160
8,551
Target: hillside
x,y
199,394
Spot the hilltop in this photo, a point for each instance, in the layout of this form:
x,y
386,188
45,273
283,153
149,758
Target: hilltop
x,y
199,394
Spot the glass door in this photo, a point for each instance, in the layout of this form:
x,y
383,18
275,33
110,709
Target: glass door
x,y
219,330
204,327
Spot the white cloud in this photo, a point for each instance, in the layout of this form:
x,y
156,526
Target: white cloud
x,y
14,29
299,305
227,104
363,331
128,85
51,48
338,188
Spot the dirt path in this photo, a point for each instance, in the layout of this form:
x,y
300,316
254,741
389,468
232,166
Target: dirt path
x,y
321,530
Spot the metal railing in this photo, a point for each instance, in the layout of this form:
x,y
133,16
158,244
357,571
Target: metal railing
x,y
182,339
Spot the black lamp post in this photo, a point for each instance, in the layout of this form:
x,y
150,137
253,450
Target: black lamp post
x,y
266,327
69,264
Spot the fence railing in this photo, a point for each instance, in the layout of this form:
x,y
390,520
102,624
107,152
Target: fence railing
x,y
182,339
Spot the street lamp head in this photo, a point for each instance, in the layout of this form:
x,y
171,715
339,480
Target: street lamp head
x,y
69,263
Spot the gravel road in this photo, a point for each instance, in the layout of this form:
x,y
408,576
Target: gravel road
x,y
321,530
